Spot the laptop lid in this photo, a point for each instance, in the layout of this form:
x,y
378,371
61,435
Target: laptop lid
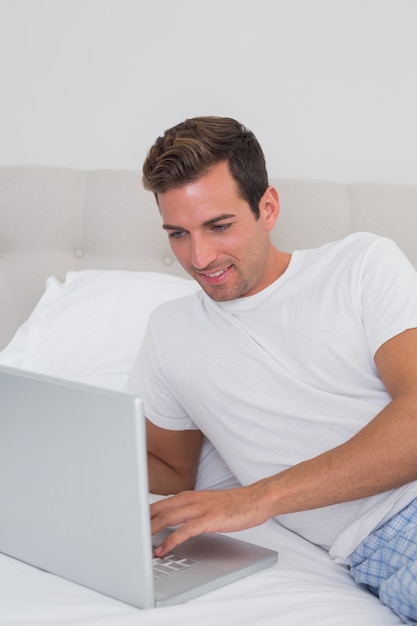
x,y
74,489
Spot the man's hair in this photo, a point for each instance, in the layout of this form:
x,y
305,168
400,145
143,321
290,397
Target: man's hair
x,y
189,150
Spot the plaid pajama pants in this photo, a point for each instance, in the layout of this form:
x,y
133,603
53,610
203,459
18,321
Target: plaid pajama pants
x,y
386,563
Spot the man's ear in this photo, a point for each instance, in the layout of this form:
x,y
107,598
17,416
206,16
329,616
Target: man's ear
x,y
269,207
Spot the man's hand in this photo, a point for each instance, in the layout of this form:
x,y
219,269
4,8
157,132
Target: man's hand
x,y
197,512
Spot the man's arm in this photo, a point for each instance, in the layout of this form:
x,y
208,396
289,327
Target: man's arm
x,y
381,456
172,458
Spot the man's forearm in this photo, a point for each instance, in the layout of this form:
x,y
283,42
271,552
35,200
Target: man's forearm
x,y
173,458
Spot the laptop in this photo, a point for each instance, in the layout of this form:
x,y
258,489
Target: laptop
x,y
75,501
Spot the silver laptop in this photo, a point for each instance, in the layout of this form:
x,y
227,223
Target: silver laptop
x,y
74,496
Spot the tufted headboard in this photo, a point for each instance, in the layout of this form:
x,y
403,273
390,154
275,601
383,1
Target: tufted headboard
x,y
57,219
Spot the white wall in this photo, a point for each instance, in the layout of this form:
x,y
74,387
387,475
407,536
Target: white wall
x,y
328,86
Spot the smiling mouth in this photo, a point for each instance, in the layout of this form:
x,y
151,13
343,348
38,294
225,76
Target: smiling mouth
x,y
214,276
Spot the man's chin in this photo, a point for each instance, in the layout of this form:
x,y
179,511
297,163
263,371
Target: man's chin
x,y
221,293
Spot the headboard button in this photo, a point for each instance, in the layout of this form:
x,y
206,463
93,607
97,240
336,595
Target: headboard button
x,y
167,260
78,253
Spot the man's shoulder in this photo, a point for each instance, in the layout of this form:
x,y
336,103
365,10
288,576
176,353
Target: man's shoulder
x,y
350,254
366,242
356,240
355,244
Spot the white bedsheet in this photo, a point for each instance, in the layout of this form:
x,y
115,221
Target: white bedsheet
x,y
304,587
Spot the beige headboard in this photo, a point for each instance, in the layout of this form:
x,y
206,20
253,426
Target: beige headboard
x,y
56,219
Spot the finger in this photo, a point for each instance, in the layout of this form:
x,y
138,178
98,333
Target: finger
x,y
175,517
174,511
184,532
171,502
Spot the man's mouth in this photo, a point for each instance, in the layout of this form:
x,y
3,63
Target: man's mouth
x,y
215,274
215,277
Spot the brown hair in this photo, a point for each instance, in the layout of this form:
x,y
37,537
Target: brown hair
x,y
189,150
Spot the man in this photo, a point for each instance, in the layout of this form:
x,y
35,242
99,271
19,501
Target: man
x,y
300,369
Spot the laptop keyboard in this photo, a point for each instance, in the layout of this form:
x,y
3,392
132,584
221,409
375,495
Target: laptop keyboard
x,y
170,564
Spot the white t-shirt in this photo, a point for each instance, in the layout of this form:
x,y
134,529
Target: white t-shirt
x,y
281,376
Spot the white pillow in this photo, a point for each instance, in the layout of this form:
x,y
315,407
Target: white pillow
x,y
89,329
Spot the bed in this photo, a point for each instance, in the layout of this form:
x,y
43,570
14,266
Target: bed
x,y
83,260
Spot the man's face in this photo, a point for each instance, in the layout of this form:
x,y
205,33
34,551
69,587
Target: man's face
x,y
217,238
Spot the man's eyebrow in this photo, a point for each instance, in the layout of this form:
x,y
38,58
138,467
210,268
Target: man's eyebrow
x,y
213,220
219,218
169,227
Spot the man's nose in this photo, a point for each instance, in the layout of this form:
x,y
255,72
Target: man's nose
x,y
202,252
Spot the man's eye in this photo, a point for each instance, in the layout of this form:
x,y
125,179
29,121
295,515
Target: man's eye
x,y
219,228
177,234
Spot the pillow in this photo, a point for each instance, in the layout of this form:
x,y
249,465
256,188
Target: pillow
x,y
89,329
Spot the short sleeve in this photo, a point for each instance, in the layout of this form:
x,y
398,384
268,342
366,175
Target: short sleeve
x,y
388,292
148,380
